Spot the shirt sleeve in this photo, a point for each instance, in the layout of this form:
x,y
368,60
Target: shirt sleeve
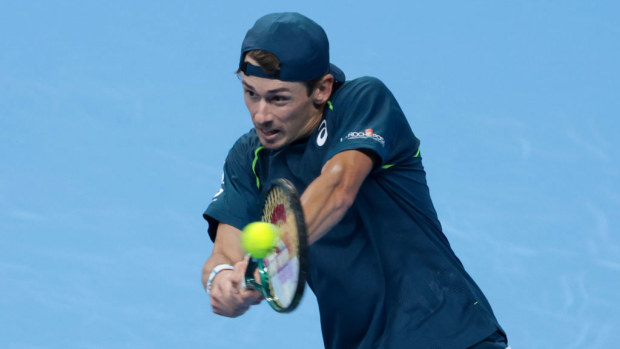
x,y
236,203
369,117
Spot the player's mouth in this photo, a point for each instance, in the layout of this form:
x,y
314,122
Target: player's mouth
x,y
269,135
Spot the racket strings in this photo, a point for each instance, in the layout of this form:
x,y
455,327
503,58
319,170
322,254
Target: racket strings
x,y
278,210
288,227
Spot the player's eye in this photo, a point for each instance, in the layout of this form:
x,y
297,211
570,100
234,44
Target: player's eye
x,y
280,100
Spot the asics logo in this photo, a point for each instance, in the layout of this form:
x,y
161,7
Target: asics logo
x,y
322,137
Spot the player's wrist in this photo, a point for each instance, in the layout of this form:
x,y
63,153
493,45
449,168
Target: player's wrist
x,y
218,268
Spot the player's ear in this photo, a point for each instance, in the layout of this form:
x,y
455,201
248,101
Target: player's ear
x,y
323,89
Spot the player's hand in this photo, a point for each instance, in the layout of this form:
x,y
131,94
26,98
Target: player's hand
x,y
228,297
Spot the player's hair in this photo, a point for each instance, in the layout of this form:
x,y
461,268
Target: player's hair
x,y
271,64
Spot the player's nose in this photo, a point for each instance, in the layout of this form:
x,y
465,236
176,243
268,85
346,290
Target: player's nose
x,y
262,113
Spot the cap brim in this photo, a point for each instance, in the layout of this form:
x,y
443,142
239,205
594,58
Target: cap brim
x,y
337,73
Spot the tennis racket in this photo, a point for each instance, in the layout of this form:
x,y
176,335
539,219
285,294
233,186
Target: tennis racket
x,y
282,273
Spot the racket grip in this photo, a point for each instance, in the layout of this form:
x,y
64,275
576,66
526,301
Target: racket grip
x,y
248,281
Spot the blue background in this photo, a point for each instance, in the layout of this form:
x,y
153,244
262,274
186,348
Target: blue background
x,y
116,116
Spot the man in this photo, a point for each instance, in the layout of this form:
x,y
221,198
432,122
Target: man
x,y
382,270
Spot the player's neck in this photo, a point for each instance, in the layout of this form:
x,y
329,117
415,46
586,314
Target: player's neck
x,y
313,123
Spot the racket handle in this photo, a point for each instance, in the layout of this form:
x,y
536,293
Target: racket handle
x,y
248,281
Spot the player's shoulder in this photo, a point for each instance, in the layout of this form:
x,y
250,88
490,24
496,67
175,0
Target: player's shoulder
x,y
245,145
249,139
360,88
364,82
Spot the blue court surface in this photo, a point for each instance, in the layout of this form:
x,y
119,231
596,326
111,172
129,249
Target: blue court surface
x,y
116,117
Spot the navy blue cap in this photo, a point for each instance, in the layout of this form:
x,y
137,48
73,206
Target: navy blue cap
x,y
300,44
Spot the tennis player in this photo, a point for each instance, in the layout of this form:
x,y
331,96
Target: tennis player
x,y
381,268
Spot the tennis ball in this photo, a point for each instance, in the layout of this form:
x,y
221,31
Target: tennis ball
x,y
259,238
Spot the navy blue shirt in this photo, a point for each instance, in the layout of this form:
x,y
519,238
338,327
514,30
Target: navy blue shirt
x,y
385,275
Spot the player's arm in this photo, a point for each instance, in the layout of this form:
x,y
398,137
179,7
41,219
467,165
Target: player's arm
x,y
329,196
228,298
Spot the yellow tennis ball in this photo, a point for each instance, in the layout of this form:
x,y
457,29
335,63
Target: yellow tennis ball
x,y
259,238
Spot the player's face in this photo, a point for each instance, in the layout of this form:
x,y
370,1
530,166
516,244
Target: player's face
x,y
281,111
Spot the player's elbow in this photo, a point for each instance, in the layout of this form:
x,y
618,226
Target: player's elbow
x,y
343,187
343,196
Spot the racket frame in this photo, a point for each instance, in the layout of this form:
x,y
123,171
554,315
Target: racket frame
x,y
302,251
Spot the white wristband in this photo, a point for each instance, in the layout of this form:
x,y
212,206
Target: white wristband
x,y
214,272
